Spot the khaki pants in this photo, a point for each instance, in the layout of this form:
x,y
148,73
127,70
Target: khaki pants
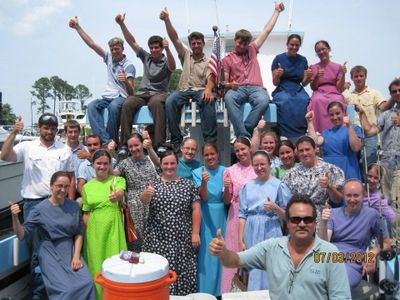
x,y
391,190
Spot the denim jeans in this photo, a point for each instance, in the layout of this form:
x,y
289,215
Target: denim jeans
x,y
96,120
173,108
33,241
234,99
370,144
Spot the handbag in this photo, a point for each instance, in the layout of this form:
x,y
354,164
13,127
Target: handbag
x,y
129,225
239,281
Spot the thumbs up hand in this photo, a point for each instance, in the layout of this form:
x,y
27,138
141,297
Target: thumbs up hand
x,y
205,177
164,15
310,116
308,73
15,209
261,123
324,181
320,71
122,76
278,71
227,182
326,212
269,205
344,68
19,125
217,245
113,195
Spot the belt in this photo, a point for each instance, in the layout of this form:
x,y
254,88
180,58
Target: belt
x,y
35,199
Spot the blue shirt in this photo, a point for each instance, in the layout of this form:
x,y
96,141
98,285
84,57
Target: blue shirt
x,y
185,168
324,280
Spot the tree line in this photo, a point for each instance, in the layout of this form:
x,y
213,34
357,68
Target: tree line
x,y
54,88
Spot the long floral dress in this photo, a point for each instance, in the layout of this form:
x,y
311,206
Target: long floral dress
x,y
169,231
137,174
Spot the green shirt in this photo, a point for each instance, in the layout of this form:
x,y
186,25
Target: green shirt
x,y
309,281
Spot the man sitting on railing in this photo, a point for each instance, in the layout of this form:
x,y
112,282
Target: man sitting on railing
x,y
192,85
121,74
243,76
157,70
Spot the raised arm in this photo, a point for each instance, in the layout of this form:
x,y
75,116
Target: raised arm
x,y
227,258
319,140
74,23
354,140
129,38
342,80
259,41
170,57
18,229
7,150
173,35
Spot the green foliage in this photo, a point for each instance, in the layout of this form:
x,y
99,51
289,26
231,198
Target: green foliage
x,y
41,91
82,93
56,88
173,83
7,117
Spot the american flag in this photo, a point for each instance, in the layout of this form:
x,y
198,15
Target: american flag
x,y
215,66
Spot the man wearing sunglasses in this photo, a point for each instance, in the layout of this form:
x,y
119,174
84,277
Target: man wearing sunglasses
x,y
42,158
294,271
120,84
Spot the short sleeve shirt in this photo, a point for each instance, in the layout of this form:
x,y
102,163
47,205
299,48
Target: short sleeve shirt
x,y
156,74
195,72
40,163
114,87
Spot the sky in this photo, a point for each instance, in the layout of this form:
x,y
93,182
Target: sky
x,y
36,40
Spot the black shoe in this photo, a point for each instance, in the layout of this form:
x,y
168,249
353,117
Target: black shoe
x,y
122,152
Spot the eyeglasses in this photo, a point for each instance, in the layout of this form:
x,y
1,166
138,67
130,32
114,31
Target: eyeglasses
x,y
395,91
306,220
321,50
61,186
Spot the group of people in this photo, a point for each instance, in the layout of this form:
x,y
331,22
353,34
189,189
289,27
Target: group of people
x,y
285,198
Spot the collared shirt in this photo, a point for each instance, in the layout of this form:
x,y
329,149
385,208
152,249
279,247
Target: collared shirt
x,y
114,87
156,74
87,172
310,280
369,99
390,140
244,69
40,163
195,72
75,159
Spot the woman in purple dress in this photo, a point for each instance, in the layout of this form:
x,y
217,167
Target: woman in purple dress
x,y
327,83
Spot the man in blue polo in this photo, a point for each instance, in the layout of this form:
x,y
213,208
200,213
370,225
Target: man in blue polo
x,y
293,263
120,84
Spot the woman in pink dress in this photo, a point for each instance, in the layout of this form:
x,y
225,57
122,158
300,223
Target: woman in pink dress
x,y
234,178
327,83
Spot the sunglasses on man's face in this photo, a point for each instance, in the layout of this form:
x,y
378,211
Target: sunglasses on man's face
x,y
306,220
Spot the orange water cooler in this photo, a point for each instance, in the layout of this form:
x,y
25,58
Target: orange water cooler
x,y
147,280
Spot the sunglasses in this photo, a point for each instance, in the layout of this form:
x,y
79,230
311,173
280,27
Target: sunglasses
x,y
306,220
49,118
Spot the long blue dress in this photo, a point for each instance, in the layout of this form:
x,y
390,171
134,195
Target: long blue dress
x,y
337,150
261,224
213,216
57,226
289,96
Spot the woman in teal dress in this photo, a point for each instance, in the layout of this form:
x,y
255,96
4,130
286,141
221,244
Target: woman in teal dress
x,y
104,236
290,74
209,180
187,163
59,224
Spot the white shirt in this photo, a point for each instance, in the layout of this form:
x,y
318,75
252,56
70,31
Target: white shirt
x,y
40,163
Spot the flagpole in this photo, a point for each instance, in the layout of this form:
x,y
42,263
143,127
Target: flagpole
x,y
187,16
290,15
216,13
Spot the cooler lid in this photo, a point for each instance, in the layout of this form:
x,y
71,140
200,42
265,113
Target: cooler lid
x,y
150,267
